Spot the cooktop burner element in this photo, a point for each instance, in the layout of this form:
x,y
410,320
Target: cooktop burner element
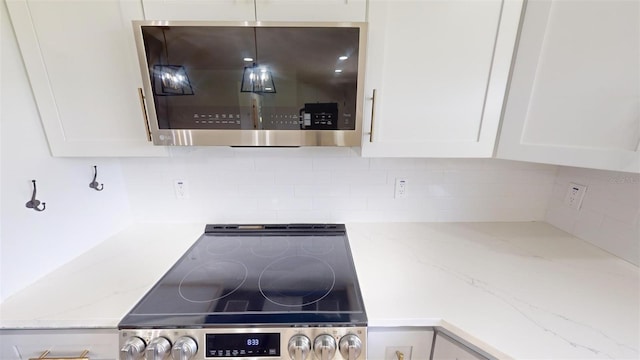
x,y
283,284
212,281
253,291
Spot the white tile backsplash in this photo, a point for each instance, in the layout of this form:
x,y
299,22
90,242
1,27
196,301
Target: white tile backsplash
x,y
329,184
610,213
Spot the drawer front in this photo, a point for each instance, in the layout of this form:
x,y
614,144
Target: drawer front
x,y
29,344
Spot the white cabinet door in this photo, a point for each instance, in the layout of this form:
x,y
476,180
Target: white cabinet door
x,y
206,10
411,342
30,344
439,70
574,98
311,10
445,348
81,63
258,10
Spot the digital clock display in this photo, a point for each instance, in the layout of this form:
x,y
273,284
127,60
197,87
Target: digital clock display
x,y
242,345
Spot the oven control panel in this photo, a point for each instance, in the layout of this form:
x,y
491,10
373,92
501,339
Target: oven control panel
x,y
296,343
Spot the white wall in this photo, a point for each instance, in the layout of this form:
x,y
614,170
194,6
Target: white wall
x,y
76,217
332,185
610,214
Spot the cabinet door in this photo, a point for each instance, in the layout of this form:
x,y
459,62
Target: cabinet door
x,y
30,344
81,63
311,10
258,10
212,10
574,97
445,348
411,342
439,70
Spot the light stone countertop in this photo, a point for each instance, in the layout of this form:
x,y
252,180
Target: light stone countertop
x,y
524,290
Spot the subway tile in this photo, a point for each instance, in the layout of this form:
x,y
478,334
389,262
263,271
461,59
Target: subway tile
x,y
367,190
280,203
321,190
291,177
359,177
338,204
283,164
560,215
303,216
340,163
257,191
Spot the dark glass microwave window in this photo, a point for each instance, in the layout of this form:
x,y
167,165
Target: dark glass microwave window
x,y
270,78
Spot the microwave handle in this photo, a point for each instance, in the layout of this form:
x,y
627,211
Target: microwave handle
x,y
144,114
373,112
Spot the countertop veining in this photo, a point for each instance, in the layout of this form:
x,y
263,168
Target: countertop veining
x,y
521,290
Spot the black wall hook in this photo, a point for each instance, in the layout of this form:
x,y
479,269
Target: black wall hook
x,y
94,184
33,203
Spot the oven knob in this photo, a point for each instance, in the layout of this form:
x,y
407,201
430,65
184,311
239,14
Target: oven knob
x,y
324,347
185,348
158,349
299,347
350,347
133,349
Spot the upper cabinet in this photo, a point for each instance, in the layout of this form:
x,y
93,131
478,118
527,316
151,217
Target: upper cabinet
x,y
439,71
574,97
80,59
256,10
205,10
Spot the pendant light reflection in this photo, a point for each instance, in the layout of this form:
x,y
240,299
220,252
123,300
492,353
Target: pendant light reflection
x,y
170,80
255,78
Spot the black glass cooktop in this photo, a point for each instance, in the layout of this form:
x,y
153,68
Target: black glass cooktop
x,y
256,275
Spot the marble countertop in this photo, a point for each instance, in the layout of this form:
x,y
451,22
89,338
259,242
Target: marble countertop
x,y
519,290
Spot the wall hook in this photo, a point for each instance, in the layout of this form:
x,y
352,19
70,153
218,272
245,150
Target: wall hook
x,y
33,203
94,184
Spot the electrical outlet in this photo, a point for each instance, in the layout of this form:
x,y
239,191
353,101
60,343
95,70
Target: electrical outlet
x,y
182,189
574,196
398,352
401,188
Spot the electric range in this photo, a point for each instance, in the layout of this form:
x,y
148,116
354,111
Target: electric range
x,y
253,292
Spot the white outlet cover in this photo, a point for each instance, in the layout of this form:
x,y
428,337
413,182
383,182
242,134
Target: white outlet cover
x,y
575,195
400,188
181,188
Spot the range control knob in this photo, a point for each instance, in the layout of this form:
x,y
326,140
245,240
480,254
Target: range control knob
x,y
185,348
133,349
158,349
350,347
299,347
324,346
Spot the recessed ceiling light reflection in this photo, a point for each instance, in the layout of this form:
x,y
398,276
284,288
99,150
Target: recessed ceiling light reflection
x,y
248,59
343,57
338,71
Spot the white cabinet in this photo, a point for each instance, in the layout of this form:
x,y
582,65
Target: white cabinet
x,y
410,342
574,97
446,348
29,344
260,10
81,62
311,10
439,70
205,10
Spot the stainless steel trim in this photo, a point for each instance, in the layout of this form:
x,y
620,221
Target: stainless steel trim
x,y
286,333
373,110
252,137
144,113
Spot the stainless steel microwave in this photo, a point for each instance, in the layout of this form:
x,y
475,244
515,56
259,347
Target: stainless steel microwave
x,y
252,83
